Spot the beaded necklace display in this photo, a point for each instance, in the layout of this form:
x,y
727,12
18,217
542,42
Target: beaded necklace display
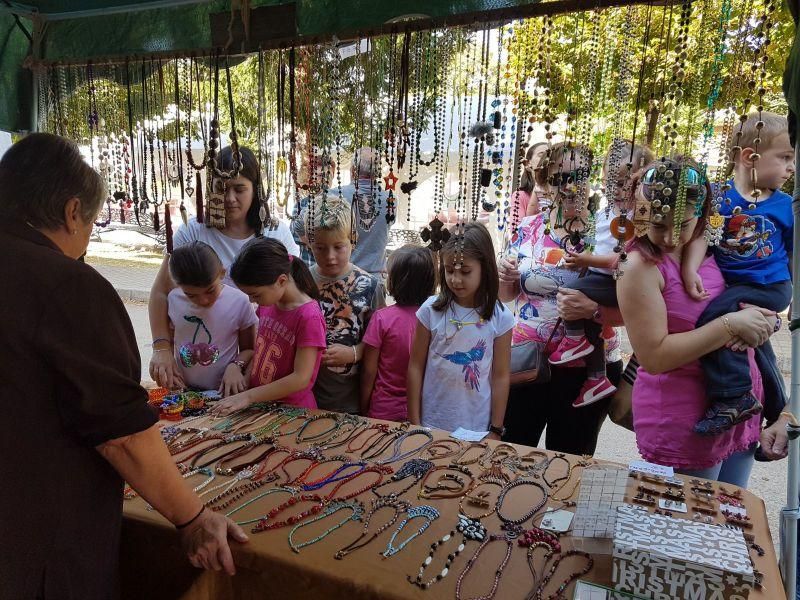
x,y
489,539
469,530
255,499
547,468
428,513
514,525
462,461
376,431
538,593
538,538
416,468
439,450
319,502
398,445
441,489
331,509
399,506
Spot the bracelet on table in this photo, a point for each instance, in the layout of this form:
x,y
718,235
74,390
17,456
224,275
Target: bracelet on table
x,y
192,520
727,323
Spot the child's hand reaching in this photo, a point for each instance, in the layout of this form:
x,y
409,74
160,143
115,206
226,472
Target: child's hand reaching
x,y
233,381
231,404
339,355
694,286
577,261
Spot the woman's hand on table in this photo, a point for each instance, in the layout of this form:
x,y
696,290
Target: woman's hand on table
x,y
233,381
775,440
206,542
231,404
338,355
574,305
508,269
164,370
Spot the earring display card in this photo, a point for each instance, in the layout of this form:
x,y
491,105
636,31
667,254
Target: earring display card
x,y
673,505
602,491
663,557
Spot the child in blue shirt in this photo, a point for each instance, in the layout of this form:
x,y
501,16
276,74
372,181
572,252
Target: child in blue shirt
x,y
754,256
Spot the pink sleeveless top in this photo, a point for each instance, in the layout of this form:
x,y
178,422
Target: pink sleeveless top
x,y
667,406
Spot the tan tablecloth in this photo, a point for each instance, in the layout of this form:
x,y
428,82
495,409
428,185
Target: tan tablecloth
x,y
153,565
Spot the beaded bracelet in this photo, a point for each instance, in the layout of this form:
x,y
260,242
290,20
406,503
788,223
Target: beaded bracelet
x,y
498,572
469,530
332,508
426,512
398,505
232,470
398,445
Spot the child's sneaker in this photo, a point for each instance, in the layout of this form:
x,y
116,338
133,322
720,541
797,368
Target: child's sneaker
x,y
594,389
721,417
571,349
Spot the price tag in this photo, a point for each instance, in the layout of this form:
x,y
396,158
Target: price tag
x,y
740,511
642,466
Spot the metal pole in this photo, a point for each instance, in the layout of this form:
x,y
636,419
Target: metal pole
x,y
789,514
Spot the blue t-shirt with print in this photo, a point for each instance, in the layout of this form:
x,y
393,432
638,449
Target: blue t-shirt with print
x,y
755,243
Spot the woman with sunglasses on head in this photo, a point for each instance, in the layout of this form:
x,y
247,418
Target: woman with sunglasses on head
x,y
669,395
532,273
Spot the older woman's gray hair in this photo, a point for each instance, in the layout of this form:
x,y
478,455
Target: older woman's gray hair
x,y
39,174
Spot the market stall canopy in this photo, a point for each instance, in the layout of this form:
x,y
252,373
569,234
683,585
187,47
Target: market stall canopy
x,y
75,31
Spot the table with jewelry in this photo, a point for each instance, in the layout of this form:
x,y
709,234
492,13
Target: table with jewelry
x,y
338,506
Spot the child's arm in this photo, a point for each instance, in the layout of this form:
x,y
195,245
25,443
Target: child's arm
x,y
585,260
304,361
501,377
693,256
235,378
369,372
416,372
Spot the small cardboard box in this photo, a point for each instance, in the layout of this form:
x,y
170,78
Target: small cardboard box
x,y
664,558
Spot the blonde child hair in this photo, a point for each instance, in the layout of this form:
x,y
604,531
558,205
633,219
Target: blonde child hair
x,y
774,126
331,213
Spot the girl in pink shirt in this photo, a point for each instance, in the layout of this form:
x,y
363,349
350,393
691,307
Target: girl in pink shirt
x,y
291,328
387,341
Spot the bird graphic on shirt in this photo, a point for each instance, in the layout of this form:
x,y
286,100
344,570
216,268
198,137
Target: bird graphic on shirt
x,y
469,363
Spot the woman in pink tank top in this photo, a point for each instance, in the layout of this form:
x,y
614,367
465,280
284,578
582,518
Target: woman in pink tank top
x,y
669,394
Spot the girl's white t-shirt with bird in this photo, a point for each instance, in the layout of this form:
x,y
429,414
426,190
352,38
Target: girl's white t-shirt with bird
x,y
456,389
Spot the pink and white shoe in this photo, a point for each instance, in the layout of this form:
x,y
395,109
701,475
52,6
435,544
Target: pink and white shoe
x,y
569,350
594,389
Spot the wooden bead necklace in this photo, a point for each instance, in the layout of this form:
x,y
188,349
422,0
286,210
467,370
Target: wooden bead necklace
x,y
469,530
498,572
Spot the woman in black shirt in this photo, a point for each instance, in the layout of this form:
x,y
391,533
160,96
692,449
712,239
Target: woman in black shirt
x,y
77,420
